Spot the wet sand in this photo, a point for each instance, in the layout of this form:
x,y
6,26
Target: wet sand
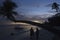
x,y
23,34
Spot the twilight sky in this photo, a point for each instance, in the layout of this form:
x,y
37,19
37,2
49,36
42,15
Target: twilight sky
x,y
34,7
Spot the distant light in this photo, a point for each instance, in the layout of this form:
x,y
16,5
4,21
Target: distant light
x,y
36,21
20,23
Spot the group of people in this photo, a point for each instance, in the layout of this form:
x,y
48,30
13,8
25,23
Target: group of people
x,y
34,34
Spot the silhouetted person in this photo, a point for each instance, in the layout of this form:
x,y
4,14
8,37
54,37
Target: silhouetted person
x,y
37,33
31,33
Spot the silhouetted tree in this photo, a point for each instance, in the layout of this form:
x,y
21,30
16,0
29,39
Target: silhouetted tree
x,y
7,9
55,20
55,6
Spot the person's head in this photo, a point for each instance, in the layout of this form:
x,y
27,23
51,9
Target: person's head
x,y
36,28
31,28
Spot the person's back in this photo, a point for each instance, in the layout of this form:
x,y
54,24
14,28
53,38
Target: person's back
x,y
37,33
31,33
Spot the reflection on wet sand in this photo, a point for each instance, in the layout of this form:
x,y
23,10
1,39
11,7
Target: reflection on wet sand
x,y
10,32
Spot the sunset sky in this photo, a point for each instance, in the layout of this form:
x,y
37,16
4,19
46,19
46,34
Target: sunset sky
x,y
34,7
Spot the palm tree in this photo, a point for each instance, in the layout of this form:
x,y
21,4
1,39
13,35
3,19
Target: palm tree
x,y
7,10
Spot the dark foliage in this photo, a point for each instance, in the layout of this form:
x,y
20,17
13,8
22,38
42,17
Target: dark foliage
x,y
55,6
7,10
55,20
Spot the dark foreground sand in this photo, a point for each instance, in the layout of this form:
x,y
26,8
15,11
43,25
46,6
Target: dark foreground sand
x,y
6,30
